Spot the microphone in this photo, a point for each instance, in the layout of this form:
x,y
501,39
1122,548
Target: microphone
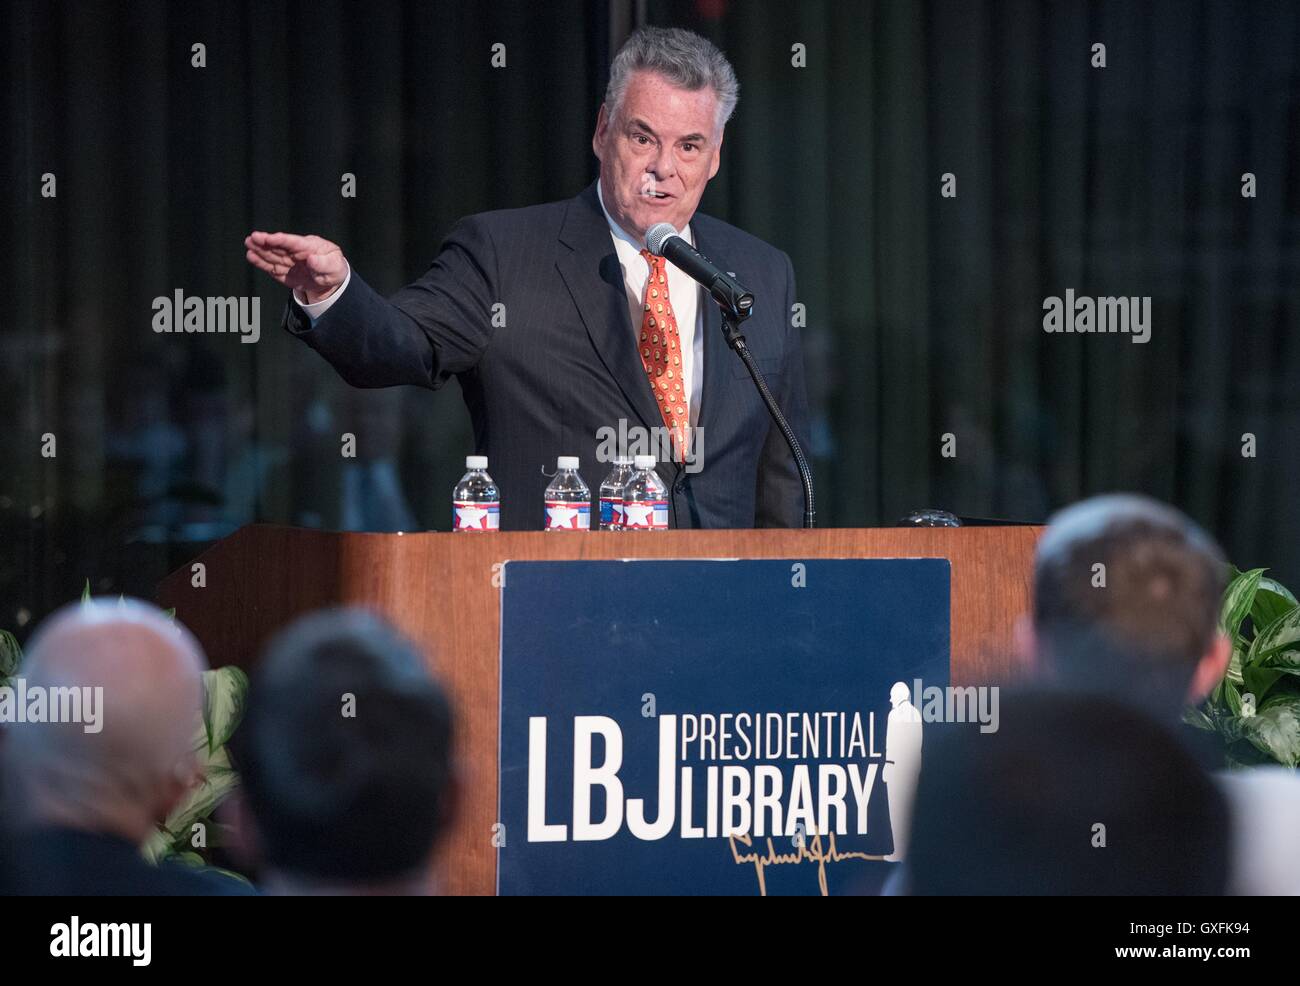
x,y
664,241
737,304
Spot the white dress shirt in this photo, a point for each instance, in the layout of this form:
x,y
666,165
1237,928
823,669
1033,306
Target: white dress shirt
x,y
685,296
682,290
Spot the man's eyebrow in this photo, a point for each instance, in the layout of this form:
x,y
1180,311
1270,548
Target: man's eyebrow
x,y
638,124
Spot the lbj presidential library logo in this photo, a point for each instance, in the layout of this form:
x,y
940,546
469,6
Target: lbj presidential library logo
x,y
717,726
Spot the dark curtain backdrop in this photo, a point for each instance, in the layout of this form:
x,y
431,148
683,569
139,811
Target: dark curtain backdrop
x,y
924,313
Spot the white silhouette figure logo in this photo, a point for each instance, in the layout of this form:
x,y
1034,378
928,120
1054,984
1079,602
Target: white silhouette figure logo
x,y
902,765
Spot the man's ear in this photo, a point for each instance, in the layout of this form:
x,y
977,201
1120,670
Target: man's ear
x,y
176,785
717,156
1210,669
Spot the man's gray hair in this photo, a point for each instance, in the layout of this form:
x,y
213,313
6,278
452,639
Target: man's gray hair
x,y
685,59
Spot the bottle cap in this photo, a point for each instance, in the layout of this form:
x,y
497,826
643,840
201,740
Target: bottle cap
x,y
476,462
567,462
645,461
622,460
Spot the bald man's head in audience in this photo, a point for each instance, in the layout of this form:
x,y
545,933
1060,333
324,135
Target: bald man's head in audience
x,y
122,772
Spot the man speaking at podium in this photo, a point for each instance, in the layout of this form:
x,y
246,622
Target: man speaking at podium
x,y
562,328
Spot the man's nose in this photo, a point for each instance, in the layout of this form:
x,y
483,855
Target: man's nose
x,y
663,166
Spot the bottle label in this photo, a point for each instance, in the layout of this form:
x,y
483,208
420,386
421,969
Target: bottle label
x,y
647,515
480,517
564,516
611,511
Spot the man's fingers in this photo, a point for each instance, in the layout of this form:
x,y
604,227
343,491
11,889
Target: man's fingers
x,y
274,257
288,242
279,254
261,264
324,263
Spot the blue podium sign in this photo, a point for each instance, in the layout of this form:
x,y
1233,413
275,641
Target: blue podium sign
x,y
712,727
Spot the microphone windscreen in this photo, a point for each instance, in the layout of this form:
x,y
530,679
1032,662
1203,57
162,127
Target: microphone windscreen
x,y
656,236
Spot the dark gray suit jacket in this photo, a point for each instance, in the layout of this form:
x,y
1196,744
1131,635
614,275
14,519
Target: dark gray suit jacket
x,y
564,364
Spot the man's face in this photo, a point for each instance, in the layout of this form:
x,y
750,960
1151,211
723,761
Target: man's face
x,y
657,153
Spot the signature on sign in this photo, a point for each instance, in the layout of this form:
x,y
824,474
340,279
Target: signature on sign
x,y
809,852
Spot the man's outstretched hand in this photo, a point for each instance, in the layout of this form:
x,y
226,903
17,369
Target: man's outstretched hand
x,y
308,264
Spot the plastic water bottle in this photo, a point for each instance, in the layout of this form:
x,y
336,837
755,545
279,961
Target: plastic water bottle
x,y
476,501
645,498
611,494
568,498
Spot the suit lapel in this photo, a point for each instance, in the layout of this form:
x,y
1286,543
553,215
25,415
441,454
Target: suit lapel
x,y
717,357
594,279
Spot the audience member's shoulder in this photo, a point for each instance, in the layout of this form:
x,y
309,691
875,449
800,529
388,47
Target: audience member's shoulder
x,y
67,862
202,881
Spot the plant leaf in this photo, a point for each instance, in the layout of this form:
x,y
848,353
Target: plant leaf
x,y
85,593
1280,635
1272,599
11,655
223,704
1275,729
1233,697
200,802
1197,718
1237,601
1237,662
1259,680
1285,660
159,844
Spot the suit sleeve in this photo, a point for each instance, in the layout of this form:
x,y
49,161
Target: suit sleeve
x,y
780,493
426,333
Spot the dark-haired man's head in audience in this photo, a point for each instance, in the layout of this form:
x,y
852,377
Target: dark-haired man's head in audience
x,y
86,791
1073,794
1126,601
345,754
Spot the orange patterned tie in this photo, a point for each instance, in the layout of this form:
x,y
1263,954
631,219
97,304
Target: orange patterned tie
x,y
661,352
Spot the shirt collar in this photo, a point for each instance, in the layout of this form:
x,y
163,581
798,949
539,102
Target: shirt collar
x,y
620,234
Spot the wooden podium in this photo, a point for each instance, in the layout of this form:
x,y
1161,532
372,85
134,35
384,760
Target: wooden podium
x,y
442,591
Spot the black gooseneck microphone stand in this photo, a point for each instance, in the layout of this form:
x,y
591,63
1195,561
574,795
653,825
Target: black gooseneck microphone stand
x,y
732,317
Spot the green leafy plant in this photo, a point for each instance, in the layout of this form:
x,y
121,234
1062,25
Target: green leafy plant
x,y
10,656
223,706
1255,709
